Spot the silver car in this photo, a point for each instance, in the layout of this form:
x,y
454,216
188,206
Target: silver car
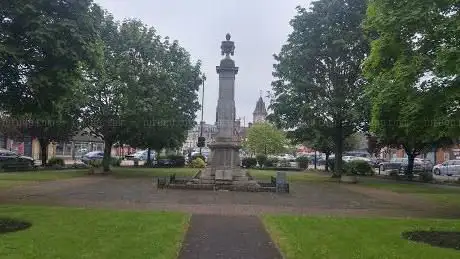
x,y
449,167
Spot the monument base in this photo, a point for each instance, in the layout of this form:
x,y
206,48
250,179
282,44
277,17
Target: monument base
x,y
235,176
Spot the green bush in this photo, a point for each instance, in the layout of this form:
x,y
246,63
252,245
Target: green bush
x,y
303,161
115,161
198,163
358,167
56,161
261,159
95,163
249,162
198,156
271,162
426,176
179,160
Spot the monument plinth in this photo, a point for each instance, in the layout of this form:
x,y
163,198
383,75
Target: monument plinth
x,y
224,165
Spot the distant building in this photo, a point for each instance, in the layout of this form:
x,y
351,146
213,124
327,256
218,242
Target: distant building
x,y
260,112
191,142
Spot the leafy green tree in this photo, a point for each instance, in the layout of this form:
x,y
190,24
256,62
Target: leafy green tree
x,y
318,82
44,47
105,92
413,70
264,138
145,92
170,105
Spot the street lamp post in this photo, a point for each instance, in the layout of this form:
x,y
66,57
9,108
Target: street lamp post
x,y
202,110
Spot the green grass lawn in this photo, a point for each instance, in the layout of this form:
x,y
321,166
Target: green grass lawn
x,y
294,176
84,233
342,238
18,178
443,195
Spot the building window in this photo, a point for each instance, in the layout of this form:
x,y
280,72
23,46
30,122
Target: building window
x,y
446,156
68,149
60,149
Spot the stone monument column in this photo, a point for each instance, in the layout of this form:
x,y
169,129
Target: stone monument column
x,y
224,165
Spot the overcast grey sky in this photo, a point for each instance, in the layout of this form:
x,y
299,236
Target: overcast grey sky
x,y
258,27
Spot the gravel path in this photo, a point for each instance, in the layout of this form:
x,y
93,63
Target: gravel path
x,y
140,194
227,237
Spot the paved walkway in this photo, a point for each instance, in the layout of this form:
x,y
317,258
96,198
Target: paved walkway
x,y
227,237
140,194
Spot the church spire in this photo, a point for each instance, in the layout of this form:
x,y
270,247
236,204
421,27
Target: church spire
x,y
260,112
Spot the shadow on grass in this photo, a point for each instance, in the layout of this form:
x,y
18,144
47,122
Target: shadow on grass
x,y
444,239
8,225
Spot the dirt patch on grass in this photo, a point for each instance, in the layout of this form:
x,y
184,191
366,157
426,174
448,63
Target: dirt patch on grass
x,y
444,239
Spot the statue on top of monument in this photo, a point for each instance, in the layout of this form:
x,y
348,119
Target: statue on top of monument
x,y
228,46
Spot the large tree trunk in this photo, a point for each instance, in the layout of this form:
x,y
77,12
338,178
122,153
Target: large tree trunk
x,y
149,157
410,165
316,159
44,150
338,151
107,155
327,162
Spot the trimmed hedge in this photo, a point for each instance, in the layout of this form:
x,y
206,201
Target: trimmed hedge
x,y
179,160
261,159
249,162
56,161
271,162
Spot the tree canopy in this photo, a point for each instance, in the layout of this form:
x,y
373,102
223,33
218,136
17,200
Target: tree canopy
x,y
264,138
45,46
413,70
319,90
69,65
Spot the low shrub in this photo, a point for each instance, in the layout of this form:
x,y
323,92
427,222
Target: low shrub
x,y
56,161
95,166
95,163
426,176
178,160
271,162
115,161
358,167
261,159
198,156
303,161
249,162
198,163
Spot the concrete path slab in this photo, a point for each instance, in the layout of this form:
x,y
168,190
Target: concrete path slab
x,y
227,237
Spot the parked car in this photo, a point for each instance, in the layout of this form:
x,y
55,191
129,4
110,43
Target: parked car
x,y
141,155
427,165
401,164
347,158
377,161
91,156
449,167
11,160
